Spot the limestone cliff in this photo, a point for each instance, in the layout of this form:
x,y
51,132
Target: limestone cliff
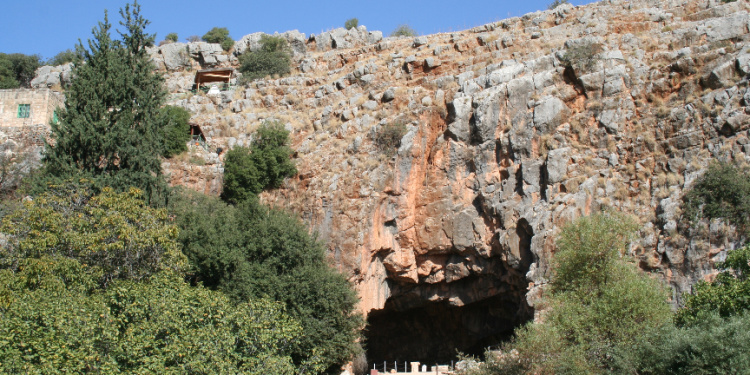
x,y
513,129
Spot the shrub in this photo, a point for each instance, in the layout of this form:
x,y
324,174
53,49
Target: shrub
x,y
263,165
583,56
728,295
600,311
251,251
556,4
351,23
193,39
61,58
114,233
17,70
723,191
172,37
388,137
176,130
272,58
404,30
219,35
60,324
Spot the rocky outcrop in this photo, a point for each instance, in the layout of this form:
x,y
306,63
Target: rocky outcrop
x,y
52,76
509,135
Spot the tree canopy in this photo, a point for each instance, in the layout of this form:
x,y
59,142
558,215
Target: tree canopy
x,y
110,130
264,165
17,70
249,251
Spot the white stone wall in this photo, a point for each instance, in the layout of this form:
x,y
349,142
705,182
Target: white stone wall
x,y
43,103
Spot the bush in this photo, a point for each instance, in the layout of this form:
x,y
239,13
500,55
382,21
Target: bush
x,y
388,137
351,23
172,37
728,295
250,251
61,58
404,30
583,57
17,70
711,346
723,191
599,313
176,130
58,324
115,234
263,165
556,4
273,58
193,39
219,35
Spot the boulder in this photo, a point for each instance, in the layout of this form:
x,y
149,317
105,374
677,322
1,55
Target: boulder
x,y
557,164
549,114
459,110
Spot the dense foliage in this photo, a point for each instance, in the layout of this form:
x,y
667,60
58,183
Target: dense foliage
x,y
62,57
55,321
17,70
219,35
263,165
110,130
176,130
115,234
601,308
172,37
272,58
249,251
723,191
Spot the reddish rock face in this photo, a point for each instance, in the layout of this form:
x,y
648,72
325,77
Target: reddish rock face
x,y
509,136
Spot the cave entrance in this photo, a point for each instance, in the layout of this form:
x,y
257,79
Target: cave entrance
x,y
434,332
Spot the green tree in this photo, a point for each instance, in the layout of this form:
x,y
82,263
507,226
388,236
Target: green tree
x,y
600,310
17,70
250,251
109,129
115,234
62,57
219,35
726,296
272,58
351,23
176,129
55,320
723,191
404,30
172,37
264,165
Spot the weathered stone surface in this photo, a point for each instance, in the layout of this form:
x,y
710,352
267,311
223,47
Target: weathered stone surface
x,y
460,111
557,164
549,114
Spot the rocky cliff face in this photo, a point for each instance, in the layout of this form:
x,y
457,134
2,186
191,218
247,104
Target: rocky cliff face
x,y
513,129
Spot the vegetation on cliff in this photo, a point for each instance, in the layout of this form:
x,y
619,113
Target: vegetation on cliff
x,y
93,272
264,165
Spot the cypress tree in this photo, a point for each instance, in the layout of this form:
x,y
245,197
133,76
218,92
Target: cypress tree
x,y
110,130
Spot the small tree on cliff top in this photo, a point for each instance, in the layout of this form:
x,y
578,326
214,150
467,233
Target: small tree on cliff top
x,y
110,129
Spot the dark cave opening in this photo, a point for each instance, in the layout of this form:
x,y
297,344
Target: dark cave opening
x,y
435,332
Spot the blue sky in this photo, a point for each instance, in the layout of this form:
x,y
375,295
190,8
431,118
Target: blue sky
x,y
46,27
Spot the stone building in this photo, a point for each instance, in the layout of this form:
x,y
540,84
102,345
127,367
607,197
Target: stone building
x,y
26,107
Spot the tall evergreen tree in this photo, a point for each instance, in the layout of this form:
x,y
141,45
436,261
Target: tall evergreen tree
x,y
110,130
